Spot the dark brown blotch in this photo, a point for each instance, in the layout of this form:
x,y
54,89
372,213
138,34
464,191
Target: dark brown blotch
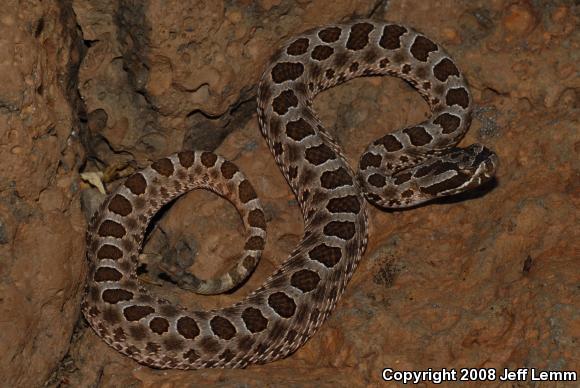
x,y
448,122
208,159
305,280
372,197
402,178
282,304
163,166
319,154
277,147
448,184
111,228
186,158
299,129
370,160
407,193
136,183
255,243
418,136
440,167
222,327
257,219
246,191
187,327
120,205
329,74
336,178
285,100
327,255
135,313
445,69
159,325
115,295
359,36
329,34
457,96
322,52
249,262
341,229
347,204
390,143
254,320
421,48
107,274
292,172
228,169
377,180
287,71
391,38
298,47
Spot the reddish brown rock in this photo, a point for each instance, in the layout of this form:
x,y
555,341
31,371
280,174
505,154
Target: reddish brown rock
x,y
41,225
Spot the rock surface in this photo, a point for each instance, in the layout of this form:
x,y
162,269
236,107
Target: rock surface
x,y
488,279
41,224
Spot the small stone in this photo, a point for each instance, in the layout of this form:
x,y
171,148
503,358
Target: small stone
x,y
520,19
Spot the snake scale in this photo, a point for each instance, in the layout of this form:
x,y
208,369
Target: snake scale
x,y
401,169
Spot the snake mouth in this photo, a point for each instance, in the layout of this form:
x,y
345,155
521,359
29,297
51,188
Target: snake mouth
x,y
488,167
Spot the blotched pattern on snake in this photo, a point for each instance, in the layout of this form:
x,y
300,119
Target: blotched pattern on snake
x,y
401,169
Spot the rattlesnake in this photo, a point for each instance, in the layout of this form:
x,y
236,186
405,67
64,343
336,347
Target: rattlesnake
x,y
401,169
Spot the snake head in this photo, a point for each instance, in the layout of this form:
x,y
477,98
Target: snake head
x,y
440,175
477,162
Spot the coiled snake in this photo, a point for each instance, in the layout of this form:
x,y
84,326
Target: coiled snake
x,y
401,169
